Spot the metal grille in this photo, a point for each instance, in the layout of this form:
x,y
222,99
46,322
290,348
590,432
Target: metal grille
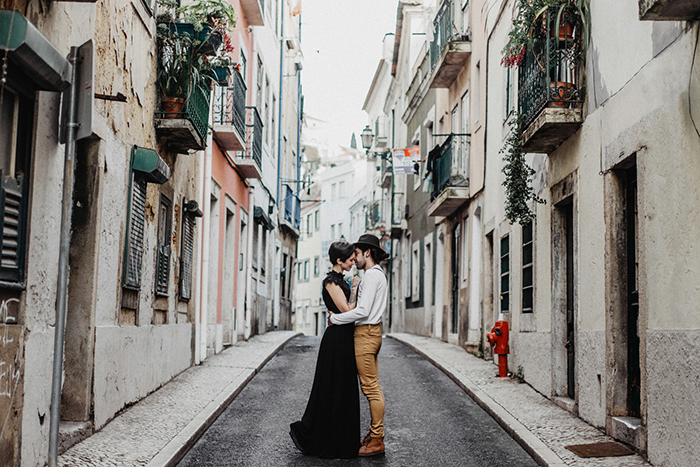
x,y
186,256
442,31
254,135
550,75
134,255
198,109
297,212
453,153
12,220
229,104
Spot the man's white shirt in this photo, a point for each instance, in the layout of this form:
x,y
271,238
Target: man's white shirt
x,y
372,295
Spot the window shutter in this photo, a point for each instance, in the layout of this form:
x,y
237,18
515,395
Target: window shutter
x,y
163,272
186,257
134,255
13,238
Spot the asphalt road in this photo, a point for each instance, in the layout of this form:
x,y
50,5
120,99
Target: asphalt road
x,y
429,420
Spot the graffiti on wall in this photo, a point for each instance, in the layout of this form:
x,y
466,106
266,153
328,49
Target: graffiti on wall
x,y
10,378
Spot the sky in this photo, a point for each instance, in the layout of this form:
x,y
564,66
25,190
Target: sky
x,y
342,45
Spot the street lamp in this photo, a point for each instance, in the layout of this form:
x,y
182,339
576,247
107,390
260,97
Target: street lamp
x,y
367,137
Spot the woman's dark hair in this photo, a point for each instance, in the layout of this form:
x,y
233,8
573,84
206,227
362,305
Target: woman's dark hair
x,y
340,251
377,255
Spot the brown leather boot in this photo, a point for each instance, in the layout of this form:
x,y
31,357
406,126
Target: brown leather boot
x,y
366,439
373,447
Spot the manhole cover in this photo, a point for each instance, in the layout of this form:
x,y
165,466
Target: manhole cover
x,y
606,449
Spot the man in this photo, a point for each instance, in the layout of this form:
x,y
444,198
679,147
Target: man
x,y
367,316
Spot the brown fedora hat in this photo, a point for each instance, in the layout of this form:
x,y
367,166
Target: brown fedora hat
x,y
370,240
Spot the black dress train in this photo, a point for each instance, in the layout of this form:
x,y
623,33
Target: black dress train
x,y
330,427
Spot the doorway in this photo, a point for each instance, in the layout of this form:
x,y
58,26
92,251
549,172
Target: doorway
x,y
454,319
633,341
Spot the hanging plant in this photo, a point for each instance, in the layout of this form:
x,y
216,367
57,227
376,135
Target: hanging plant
x,y
518,182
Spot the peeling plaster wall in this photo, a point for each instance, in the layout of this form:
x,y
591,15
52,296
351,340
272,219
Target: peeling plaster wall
x,y
123,375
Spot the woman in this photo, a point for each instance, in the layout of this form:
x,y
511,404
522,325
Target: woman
x,y
330,427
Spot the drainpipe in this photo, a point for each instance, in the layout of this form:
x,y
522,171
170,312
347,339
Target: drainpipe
x,y
206,227
62,299
281,98
197,291
299,122
249,265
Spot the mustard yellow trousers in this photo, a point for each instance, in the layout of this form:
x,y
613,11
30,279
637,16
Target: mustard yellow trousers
x,y
368,341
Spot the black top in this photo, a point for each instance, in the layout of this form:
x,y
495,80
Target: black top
x,y
337,279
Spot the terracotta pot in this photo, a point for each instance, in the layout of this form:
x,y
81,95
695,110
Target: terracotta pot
x,y
560,90
172,106
566,31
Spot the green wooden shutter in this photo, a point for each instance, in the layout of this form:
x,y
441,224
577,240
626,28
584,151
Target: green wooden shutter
x,y
137,221
186,256
13,229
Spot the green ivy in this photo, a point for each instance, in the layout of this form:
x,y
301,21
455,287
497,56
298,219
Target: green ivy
x,y
518,182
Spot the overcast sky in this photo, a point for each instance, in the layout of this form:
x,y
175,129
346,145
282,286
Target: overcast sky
x,y
342,44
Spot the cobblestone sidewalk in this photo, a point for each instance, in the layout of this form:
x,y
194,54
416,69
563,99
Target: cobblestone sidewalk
x,y
540,426
162,426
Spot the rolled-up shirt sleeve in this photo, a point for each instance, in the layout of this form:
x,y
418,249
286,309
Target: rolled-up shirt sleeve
x,y
365,296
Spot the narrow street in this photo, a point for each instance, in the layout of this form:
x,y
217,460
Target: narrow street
x,y
429,419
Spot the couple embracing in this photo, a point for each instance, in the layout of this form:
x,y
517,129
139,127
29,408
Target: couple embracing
x,y
330,427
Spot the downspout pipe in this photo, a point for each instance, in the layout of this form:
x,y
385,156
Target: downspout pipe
x,y
206,228
281,98
63,270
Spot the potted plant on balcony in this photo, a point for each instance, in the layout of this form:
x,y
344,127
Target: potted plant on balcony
x,y
175,71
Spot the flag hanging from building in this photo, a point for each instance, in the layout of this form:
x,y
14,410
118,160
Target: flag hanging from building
x,y
405,160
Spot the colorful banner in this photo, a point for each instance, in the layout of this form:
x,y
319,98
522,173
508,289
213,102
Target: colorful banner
x,y
405,159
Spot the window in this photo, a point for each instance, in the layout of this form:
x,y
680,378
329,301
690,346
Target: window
x,y
283,276
300,270
163,254
505,274
510,93
464,160
263,250
340,229
415,271
16,129
317,266
332,232
186,256
341,190
528,270
308,225
466,26
244,66
273,128
254,250
476,91
454,128
465,252
306,270
137,220
259,84
334,190
317,220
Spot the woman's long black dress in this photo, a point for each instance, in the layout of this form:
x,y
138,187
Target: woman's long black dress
x,y
330,427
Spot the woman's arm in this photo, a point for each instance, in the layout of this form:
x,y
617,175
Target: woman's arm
x,y
338,297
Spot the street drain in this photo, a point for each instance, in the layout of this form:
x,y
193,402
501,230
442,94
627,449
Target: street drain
x,y
605,449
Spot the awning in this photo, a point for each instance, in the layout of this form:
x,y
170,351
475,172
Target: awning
x,y
262,218
150,163
33,53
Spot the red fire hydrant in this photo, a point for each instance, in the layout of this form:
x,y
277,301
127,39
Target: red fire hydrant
x,y
498,338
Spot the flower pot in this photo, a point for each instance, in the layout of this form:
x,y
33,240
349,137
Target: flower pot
x,y
172,107
221,75
566,32
559,92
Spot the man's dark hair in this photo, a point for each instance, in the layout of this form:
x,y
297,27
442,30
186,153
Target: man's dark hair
x,y
377,255
340,251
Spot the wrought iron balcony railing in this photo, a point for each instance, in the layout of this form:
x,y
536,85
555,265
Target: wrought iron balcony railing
x,y
229,104
297,212
442,31
292,208
551,73
254,135
450,167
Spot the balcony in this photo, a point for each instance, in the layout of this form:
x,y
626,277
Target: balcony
x,y
183,126
254,11
291,219
229,114
450,187
669,10
550,84
449,50
249,162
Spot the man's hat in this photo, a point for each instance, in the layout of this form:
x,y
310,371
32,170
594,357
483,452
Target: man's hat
x,y
370,240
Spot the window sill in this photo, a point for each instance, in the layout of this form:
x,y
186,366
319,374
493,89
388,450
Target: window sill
x,y
13,285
